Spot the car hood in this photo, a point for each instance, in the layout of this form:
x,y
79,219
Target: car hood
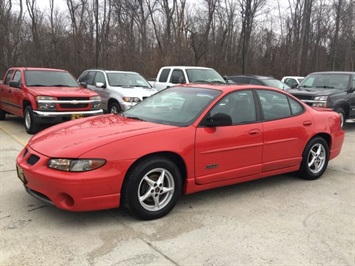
x,y
62,91
74,138
135,91
312,91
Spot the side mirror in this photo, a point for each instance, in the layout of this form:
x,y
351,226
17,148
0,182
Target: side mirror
x,y
218,120
100,85
83,84
174,79
14,84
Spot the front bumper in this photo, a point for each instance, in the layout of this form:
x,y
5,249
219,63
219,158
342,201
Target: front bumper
x,y
85,191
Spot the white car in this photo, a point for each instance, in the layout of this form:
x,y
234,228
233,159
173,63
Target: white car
x,y
292,81
119,90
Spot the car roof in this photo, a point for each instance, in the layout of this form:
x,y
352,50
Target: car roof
x,y
295,77
249,76
187,67
227,87
332,72
111,71
39,68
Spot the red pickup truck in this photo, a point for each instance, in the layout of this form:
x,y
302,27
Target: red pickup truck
x,y
45,96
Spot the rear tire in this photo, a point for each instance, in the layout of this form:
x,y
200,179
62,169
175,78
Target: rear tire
x,y
315,159
2,114
30,124
152,188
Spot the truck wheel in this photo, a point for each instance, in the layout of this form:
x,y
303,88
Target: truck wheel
x,y
341,112
2,114
114,108
152,188
30,124
314,159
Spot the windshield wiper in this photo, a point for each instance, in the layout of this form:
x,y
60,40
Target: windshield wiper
x,y
135,118
325,86
59,85
37,85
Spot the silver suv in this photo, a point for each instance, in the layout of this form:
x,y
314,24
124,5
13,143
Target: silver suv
x,y
119,90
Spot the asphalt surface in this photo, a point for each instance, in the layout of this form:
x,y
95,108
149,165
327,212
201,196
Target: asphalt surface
x,y
281,220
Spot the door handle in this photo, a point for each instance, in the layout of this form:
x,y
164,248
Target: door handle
x,y
254,132
10,90
307,123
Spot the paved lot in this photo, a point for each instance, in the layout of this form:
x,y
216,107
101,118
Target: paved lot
x,y
280,220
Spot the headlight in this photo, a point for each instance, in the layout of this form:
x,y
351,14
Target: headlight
x,y
76,165
96,104
131,99
45,103
320,101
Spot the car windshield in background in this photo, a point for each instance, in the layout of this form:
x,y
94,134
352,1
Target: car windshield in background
x,y
276,84
178,106
328,81
44,78
127,80
204,75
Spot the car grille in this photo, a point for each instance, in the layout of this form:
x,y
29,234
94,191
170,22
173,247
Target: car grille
x,y
72,104
305,98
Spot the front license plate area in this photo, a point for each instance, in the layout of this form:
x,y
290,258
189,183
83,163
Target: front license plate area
x,y
20,174
76,116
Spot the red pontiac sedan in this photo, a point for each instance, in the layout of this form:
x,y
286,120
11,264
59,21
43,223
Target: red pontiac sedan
x,y
181,140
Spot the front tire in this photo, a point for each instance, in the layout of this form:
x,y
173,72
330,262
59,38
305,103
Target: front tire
x,y
31,126
315,159
152,188
342,115
114,108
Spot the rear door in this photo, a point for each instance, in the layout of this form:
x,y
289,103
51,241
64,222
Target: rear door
x,y
286,126
11,96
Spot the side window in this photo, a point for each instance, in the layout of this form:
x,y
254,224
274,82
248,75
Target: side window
x,y
291,82
255,82
82,78
164,75
353,82
17,77
238,105
275,105
177,77
89,79
99,77
296,107
8,76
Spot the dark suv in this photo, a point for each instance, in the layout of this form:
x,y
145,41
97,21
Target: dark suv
x,y
257,80
332,89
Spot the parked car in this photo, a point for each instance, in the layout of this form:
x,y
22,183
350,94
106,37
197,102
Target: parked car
x,y
292,81
119,90
173,75
183,139
329,89
257,80
45,96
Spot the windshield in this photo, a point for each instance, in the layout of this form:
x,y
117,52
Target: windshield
x,y
117,79
204,75
49,78
179,106
326,81
276,84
